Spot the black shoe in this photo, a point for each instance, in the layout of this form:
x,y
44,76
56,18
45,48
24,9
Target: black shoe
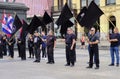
x,y
67,64
38,61
96,67
23,59
111,64
48,63
72,65
52,62
89,67
117,65
35,61
29,57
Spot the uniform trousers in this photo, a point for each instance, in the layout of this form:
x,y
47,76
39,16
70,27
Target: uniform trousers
x,y
23,51
31,51
11,50
5,49
70,55
1,54
19,54
50,54
37,52
94,51
43,52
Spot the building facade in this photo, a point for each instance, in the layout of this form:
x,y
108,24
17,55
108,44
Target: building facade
x,y
108,21
36,7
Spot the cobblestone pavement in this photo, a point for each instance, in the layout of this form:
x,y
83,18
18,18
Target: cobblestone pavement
x,y
17,69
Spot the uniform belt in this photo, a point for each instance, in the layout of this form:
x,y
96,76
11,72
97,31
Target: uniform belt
x,y
93,45
68,44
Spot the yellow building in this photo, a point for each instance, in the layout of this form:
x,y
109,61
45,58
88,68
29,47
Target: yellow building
x,y
111,9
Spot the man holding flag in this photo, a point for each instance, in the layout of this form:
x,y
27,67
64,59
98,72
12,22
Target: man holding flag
x,y
91,15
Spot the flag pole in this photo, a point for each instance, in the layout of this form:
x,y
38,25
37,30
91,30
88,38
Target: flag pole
x,y
99,25
109,20
75,19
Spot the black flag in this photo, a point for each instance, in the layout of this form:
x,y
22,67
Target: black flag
x,y
24,30
35,23
65,15
47,19
64,27
16,25
92,15
81,14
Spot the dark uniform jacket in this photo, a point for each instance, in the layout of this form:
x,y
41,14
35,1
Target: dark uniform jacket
x,y
69,38
37,41
50,40
30,43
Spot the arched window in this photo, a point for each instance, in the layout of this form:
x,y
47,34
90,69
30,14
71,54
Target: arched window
x,y
109,2
113,24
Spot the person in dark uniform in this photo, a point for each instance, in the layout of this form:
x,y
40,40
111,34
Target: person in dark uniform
x,y
89,35
30,46
43,45
70,47
22,44
114,39
4,45
37,46
11,43
51,43
18,45
93,41
1,44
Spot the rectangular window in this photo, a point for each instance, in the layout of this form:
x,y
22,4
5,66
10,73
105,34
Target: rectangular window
x,y
87,2
83,3
60,4
96,1
109,2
